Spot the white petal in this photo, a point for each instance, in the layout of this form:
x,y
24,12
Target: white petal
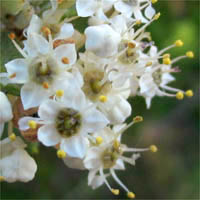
x,y
68,51
138,14
19,67
93,120
123,8
119,165
149,12
74,146
35,25
49,109
48,135
95,181
1,129
33,95
74,163
36,44
86,8
66,31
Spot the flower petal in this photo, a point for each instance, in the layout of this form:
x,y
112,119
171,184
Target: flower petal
x,y
149,12
48,135
66,31
35,25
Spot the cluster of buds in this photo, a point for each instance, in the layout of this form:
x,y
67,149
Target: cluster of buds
x,y
76,101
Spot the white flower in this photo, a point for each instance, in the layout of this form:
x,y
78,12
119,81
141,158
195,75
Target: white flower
x,y
42,70
129,7
109,156
102,40
15,163
5,111
97,85
68,121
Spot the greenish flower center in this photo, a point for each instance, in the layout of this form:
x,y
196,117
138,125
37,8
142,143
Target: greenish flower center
x,y
157,77
68,122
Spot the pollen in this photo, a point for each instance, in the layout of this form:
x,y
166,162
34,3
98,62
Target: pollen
x,y
167,55
61,154
138,22
59,93
12,137
115,191
166,61
45,85
131,195
13,75
148,64
131,45
178,43
189,93
137,119
157,16
153,148
116,144
12,36
179,95
103,98
154,1
65,60
99,140
46,31
2,178
190,54
32,124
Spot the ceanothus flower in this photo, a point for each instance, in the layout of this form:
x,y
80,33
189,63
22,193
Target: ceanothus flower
x,y
42,70
67,120
15,162
5,111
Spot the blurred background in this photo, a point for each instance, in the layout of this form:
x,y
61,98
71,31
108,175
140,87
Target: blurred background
x,y
172,125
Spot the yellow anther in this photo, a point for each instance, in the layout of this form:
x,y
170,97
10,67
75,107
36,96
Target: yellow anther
x,y
13,75
157,16
45,85
65,60
103,98
2,178
12,137
61,154
131,195
46,30
138,22
12,36
59,93
115,191
153,148
166,61
179,95
116,144
189,93
137,119
167,55
154,1
148,64
131,45
178,43
190,54
32,124
99,140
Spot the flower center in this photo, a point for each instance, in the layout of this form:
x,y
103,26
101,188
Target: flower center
x,y
68,122
110,156
43,72
93,85
157,77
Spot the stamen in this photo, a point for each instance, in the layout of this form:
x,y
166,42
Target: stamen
x,y
153,148
178,58
167,55
46,31
2,178
12,75
99,140
131,45
104,178
12,36
103,98
12,137
61,154
157,16
189,93
59,93
178,43
131,195
116,144
190,54
154,1
65,60
45,85
179,95
115,191
32,124
148,64
137,119
166,61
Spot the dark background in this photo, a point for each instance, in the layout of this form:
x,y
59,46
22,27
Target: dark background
x,y
173,125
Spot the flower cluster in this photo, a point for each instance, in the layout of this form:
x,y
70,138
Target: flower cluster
x,y
74,88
